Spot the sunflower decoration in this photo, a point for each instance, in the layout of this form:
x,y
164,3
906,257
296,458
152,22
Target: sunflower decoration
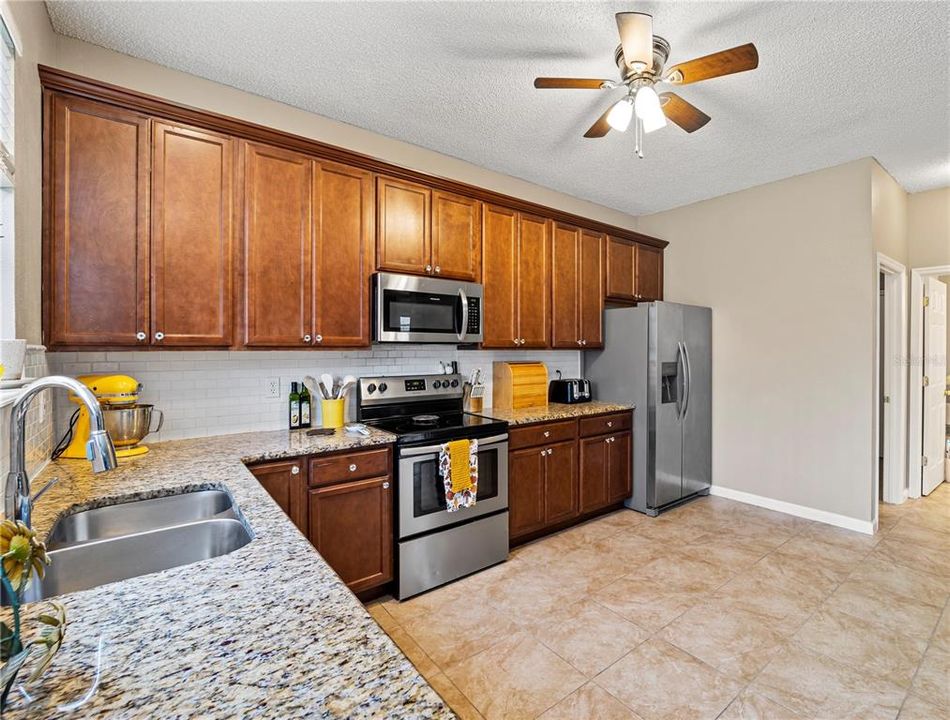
x,y
21,553
51,637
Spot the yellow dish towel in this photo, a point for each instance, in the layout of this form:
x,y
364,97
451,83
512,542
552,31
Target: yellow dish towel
x,y
460,470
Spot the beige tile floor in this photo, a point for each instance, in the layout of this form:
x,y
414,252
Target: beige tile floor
x,y
714,610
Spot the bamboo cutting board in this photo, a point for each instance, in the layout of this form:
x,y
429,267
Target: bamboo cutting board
x,y
519,385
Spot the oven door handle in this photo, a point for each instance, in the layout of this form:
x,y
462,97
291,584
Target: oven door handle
x,y
483,444
463,300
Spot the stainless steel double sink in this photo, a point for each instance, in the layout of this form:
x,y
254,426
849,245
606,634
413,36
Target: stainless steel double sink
x,y
103,545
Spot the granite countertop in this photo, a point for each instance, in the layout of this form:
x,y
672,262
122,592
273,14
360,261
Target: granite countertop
x,y
268,630
554,411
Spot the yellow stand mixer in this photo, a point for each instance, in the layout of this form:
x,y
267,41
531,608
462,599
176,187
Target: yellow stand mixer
x,y
127,421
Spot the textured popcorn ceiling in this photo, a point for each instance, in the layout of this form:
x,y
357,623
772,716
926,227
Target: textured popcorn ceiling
x,y
836,81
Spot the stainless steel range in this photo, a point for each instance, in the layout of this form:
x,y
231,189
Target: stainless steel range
x,y
435,546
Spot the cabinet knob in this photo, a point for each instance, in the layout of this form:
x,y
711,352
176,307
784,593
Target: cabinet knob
x,y
428,268
610,423
385,486
353,467
306,338
159,336
140,336
579,342
547,433
437,269
583,342
295,470
319,338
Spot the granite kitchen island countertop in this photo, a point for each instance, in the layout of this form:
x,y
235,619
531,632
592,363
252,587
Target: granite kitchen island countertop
x,y
268,630
554,411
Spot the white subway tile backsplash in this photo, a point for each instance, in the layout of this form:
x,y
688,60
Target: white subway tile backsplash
x,y
212,392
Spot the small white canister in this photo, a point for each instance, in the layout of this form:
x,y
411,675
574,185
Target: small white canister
x,y
12,355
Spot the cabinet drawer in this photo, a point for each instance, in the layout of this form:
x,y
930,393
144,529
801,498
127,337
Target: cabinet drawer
x,y
541,434
325,470
600,424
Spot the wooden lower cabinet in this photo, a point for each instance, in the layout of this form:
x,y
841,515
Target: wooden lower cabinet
x,y
286,482
525,491
605,477
560,482
351,526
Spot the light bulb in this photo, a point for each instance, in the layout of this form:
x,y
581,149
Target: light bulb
x,y
620,115
649,110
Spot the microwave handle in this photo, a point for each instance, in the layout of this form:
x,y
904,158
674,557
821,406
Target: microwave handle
x,y
463,299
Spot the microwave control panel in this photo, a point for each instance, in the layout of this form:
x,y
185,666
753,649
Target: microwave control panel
x,y
474,316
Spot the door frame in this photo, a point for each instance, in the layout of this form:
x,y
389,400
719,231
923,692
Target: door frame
x,y
895,381
916,381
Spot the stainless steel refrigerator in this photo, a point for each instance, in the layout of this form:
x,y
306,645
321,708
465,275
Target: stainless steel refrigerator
x,y
658,356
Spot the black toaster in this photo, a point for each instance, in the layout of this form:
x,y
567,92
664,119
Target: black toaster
x,y
569,390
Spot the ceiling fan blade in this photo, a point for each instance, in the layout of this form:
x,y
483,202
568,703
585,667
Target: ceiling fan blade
x,y
686,115
601,127
726,62
557,83
636,39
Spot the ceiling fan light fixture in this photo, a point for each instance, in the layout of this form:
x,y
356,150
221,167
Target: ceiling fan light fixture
x,y
636,38
648,109
620,114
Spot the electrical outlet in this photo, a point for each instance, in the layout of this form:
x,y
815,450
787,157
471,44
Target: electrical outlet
x,y
272,387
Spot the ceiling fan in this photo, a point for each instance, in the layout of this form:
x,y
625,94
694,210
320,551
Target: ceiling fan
x,y
641,58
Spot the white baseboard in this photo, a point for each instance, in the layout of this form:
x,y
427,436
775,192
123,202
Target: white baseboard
x,y
829,518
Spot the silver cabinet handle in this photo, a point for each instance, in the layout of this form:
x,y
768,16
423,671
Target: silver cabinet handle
x,y
319,338
583,342
306,338
610,423
385,486
353,467
579,342
428,268
437,269
547,433
159,336
295,470
140,336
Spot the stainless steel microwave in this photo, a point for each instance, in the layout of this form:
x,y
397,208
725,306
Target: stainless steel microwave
x,y
414,309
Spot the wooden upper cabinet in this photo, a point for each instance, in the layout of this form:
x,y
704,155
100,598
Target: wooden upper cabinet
x,y
277,247
192,238
533,280
456,236
590,291
97,224
343,203
403,217
619,271
565,282
499,277
649,273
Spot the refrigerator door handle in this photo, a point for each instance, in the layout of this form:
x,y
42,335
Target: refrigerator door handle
x,y
681,373
688,380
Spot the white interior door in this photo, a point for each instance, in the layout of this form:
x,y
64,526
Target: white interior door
x,y
935,372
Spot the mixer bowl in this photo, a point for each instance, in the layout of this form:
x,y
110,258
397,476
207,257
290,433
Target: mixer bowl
x,y
127,425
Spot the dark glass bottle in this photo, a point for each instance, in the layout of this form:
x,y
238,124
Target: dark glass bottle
x,y
294,407
305,408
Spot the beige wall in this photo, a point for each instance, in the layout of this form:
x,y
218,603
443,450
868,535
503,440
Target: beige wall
x,y
888,215
787,269
928,228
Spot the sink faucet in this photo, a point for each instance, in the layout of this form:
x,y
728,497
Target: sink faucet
x,y
17,503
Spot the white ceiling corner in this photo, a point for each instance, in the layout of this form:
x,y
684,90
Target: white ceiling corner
x,y
836,81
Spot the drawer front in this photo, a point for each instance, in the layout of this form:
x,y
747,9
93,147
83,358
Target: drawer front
x,y
602,424
541,434
328,469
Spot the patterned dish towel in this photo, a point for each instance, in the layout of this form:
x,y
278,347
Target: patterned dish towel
x,y
458,466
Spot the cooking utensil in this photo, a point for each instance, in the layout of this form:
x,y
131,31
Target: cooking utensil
x,y
326,382
348,382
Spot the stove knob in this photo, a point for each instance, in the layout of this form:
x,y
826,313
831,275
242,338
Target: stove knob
x,y
437,384
382,387
455,383
371,388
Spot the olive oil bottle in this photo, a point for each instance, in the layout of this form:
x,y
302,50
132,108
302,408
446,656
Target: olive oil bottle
x,y
304,406
294,407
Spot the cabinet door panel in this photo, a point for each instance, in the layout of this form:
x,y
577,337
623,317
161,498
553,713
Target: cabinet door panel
x,y
525,491
191,245
560,483
277,247
620,273
403,222
97,224
351,527
343,204
456,236
619,479
534,281
286,482
499,277
649,273
591,290
565,314
593,473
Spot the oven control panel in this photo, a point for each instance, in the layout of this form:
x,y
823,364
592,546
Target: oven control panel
x,y
374,390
